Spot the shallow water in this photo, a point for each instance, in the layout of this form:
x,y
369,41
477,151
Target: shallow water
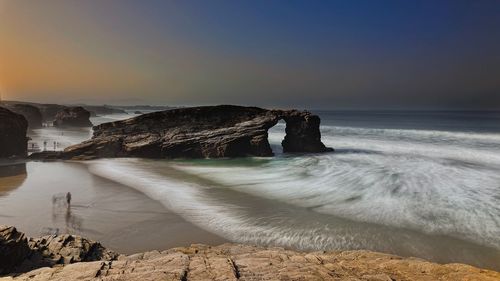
x,y
419,184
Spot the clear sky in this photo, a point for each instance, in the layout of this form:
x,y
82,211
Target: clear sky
x,y
307,54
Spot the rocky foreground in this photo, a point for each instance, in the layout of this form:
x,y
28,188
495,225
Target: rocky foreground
x,y
74,258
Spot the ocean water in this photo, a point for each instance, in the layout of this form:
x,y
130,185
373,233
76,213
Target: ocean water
x,y
423,184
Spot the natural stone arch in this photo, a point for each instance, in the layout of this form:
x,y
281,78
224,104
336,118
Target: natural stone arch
x,y
200,132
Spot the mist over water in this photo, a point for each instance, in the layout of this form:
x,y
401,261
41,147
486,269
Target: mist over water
x,y
430,193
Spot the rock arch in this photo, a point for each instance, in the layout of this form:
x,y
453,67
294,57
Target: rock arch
x,y
200,132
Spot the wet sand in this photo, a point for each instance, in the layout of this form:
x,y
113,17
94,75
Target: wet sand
x,y
119,217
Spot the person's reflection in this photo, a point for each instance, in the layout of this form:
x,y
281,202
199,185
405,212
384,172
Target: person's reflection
x,y
12,176
62,212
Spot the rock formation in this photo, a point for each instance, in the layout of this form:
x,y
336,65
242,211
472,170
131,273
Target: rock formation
x,y
14,249
49,111
200,132
30,112
13,140
239,262
73,117
20,254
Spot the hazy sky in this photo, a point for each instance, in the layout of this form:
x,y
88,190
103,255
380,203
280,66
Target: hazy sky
x,y
307,54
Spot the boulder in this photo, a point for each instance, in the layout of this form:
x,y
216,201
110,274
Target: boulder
x,y
13,140
73,117
20,254
66,249
14,249
200,132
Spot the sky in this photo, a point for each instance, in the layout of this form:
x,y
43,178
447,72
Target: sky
x,y
413,54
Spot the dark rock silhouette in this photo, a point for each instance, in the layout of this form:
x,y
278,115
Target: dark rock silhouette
x,y
14,249
32,114
49,111
13,140
20,254
199,132
73,117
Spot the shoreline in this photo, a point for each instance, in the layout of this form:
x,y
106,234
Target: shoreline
x,y
121,217
128,221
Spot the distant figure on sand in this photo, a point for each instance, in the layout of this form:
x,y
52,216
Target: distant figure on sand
x,y
44,145
68,198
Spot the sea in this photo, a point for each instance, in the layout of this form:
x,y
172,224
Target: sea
x,y
422,184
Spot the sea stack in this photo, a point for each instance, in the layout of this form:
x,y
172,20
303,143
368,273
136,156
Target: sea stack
x,y
13,140
73,117
201,132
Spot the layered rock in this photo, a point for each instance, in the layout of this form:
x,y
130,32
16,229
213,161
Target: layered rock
x,y
30,112
14,249
73,117
201,132
20,254
242,262
13,140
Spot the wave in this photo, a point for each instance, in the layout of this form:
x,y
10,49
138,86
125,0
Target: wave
x,y
381,189
433,188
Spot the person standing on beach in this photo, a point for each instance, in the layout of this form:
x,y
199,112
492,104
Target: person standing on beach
x,y
68,199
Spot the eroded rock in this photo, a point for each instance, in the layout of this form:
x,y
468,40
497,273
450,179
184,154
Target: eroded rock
x,y
14,249
73,117
13,139
20,254
242,262
200,132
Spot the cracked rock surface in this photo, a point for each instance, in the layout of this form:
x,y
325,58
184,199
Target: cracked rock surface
x,y
243,262
20,254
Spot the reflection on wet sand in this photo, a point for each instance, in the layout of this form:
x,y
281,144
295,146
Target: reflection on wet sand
x,y
115,215
63,217
12,177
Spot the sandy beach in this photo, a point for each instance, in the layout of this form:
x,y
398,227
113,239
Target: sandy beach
x,y
120,217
